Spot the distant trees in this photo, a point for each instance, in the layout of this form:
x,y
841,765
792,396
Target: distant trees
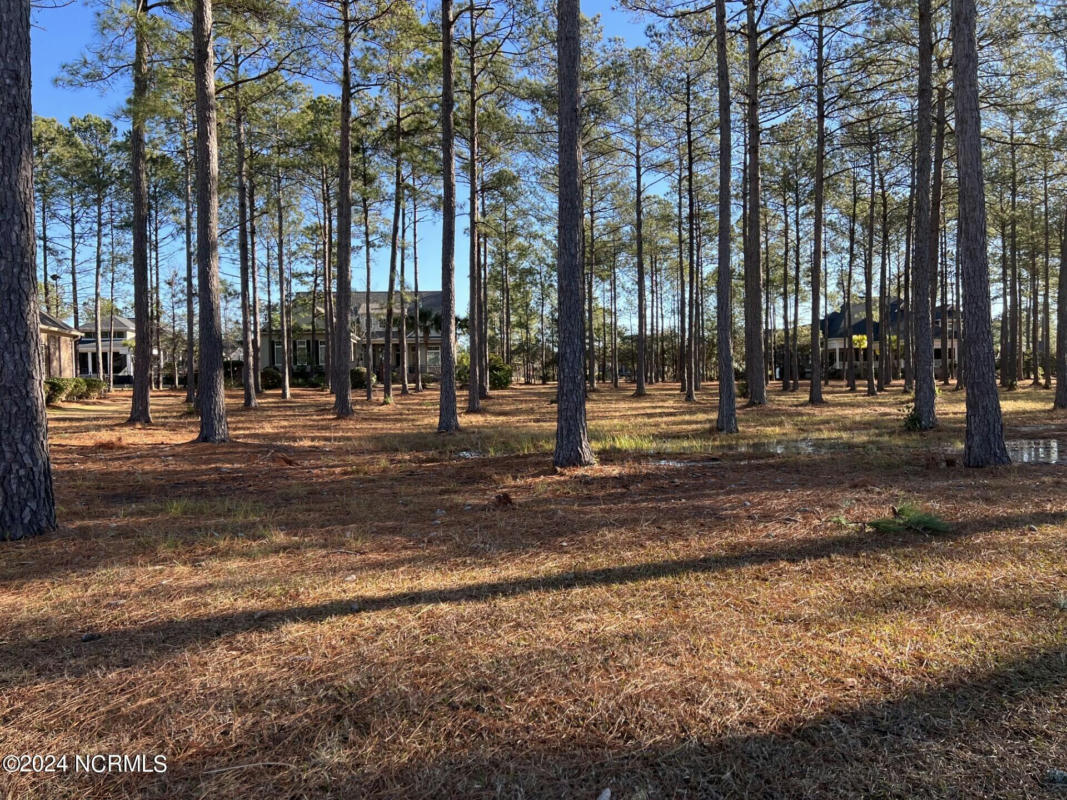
x,y
27,505
859,208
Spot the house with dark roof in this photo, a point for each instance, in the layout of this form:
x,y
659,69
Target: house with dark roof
x,y
307,347
58,341
834,327
116,343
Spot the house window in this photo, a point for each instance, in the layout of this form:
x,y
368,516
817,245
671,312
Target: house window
x,y
278,359
322,352
433,355
300,352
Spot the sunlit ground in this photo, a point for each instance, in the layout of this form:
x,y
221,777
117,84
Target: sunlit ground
x,y
327,609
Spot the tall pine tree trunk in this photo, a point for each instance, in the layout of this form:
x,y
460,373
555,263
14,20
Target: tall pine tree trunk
x,y
140,407
213,427
247,345
448,418
727,416
984,445
815,391
924,344
754,366
341,355
572,437
27,504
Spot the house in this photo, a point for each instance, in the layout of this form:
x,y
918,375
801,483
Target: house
x,y
833,327
308,336
117,347
426,336
58,341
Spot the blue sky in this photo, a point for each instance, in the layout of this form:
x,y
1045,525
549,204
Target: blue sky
x,y
60,34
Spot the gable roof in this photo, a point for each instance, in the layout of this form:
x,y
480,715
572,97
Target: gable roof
x,y
121,324
48,321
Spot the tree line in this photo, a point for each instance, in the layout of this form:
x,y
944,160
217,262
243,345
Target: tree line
x,y
832,150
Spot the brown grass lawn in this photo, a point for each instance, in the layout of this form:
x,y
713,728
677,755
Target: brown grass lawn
x,y
327,609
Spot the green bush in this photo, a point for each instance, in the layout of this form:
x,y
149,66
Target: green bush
x,y
909,517
499,373
94,388
359,378
912,420
78,390
429,379
270,378
55,390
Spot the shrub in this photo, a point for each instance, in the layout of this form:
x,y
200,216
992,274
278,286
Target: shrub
x,y
909,517
429,379
55,390
94,388
912,421
499,373
77,390
359,378
271,378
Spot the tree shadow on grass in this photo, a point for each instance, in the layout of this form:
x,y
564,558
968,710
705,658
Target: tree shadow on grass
x,y
997,733
64,655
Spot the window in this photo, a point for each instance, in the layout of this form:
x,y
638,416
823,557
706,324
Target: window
x,y
278,359
322,352
300,352
433,355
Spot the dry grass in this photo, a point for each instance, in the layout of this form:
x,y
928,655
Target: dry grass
x,y
345,610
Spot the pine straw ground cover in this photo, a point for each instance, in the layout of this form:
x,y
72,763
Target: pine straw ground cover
x,y
365,609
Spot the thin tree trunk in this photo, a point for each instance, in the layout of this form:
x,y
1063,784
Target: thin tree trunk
x,y
247,345
190,348
394,245
640,355
815,390
868,272
283,295
754,368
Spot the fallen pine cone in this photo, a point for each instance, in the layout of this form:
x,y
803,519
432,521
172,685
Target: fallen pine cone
x,y
503,499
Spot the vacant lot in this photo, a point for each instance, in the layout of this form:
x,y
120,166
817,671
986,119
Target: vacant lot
x,y
367,609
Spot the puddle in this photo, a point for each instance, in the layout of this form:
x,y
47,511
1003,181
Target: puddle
x,y
667,462
466,455
1037,451
788,447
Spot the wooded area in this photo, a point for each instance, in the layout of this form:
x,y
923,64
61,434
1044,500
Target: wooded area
x,y
292,399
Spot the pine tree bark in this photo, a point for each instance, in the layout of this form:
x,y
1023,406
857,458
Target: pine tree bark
x,y
815,391
924,344
190,319
140,407
727,416
642,313
984,443
754,358
448,418
394,246
213,426
27,503
572,437
247,345
341,354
